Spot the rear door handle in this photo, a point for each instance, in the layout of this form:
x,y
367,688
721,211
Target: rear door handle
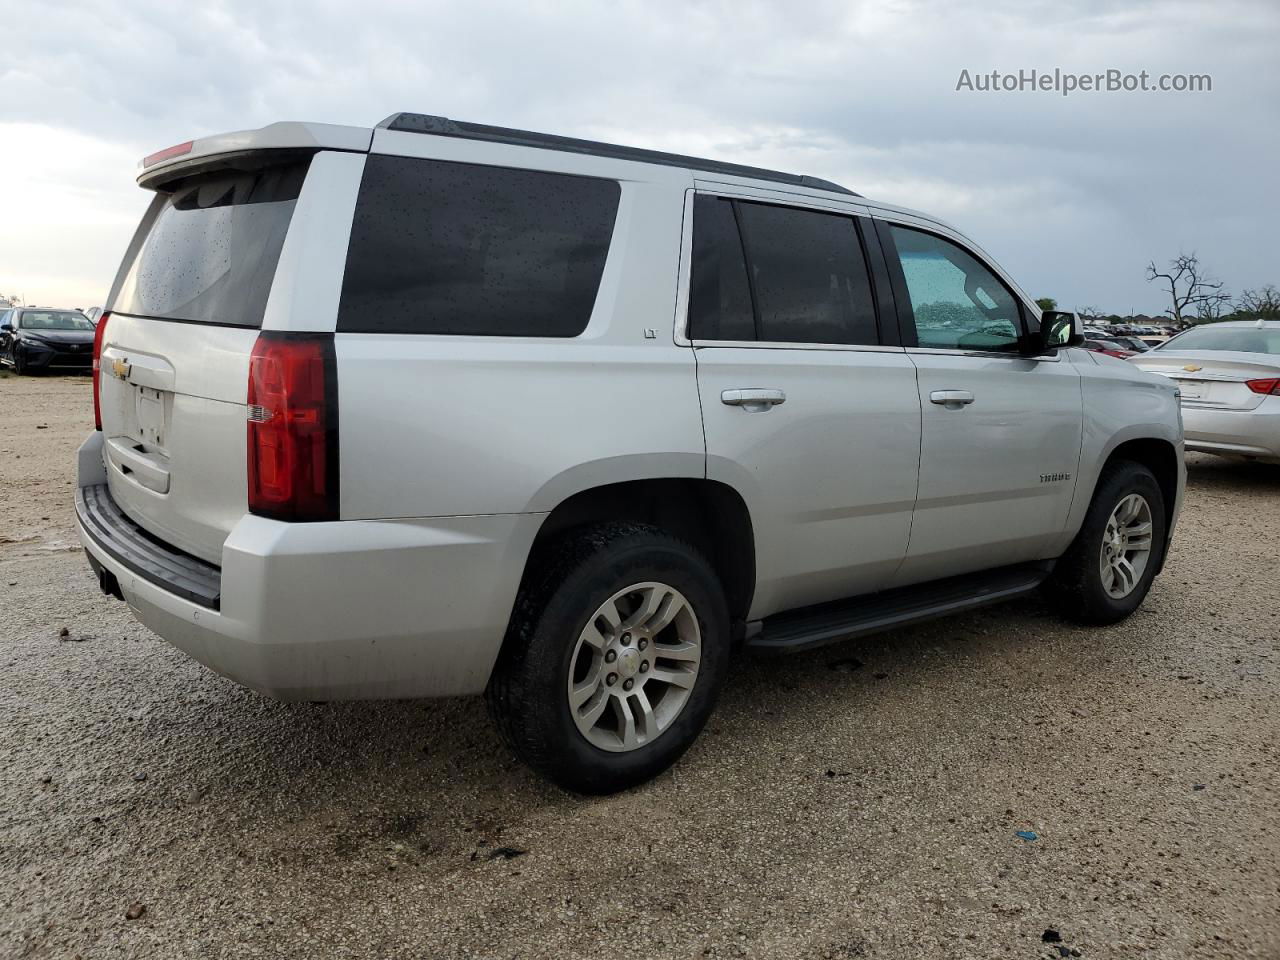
x,y
950,397
753,398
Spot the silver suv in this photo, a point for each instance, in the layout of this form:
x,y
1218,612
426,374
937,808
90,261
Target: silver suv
x,y
438,408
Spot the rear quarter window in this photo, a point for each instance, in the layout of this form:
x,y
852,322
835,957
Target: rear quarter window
x,y
454,248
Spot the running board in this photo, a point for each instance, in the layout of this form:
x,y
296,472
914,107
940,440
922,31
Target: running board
x,y
828,622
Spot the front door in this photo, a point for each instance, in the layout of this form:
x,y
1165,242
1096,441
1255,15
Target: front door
x,y
1001,431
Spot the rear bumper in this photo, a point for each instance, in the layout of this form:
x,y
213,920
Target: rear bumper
x,y
1235,433
364,609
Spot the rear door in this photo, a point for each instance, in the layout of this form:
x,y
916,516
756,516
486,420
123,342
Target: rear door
x,y
809,411
183,318
1000,444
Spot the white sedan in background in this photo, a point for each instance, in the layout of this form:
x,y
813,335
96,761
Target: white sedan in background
x,y
1229,375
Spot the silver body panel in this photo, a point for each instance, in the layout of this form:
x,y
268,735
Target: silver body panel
x,y
455,449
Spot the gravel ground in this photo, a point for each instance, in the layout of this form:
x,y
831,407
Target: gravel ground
x,y
859,801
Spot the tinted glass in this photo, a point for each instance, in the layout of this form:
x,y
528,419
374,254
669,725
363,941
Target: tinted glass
x,y
211,252
957,302
719,294
459,248
810,277
1241,339
54,320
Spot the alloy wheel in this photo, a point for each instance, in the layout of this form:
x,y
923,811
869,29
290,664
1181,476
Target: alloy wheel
x,y
634,666
1126,546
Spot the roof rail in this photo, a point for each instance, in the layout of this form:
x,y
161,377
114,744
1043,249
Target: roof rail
x,y
444,127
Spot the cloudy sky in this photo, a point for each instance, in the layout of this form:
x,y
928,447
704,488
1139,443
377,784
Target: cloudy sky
x,y
1072,194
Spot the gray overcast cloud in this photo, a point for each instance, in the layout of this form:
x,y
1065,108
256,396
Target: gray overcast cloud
x,y
1072,194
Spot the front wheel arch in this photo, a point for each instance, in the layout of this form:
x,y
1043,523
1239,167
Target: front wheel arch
x,y
1161,458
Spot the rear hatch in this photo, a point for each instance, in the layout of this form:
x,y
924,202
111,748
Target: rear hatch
x,y
1212,379
182,323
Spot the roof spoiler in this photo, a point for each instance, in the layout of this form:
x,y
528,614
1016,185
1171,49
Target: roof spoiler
x,y
444,127
226,149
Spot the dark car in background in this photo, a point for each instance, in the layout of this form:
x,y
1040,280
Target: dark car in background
x,y
41,338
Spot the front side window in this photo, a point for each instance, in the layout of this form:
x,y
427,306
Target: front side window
x,y
457,248
957,303
778,274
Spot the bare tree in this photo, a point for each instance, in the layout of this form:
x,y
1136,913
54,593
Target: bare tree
x,y
1190,287
1263,304
1211,311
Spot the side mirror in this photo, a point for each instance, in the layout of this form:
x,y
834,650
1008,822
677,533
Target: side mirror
x,y
1059,328
6,328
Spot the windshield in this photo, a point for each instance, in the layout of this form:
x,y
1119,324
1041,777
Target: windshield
x,y
53,320
1238,339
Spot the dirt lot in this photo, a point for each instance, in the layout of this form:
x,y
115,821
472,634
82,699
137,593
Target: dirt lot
x,y
860,801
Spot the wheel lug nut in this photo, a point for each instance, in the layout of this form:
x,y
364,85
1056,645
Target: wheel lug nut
x,y
644,667
628,684
610,656
643,643
611,679
625,638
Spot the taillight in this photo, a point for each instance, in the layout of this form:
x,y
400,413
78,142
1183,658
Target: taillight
x,y
97,369
1265,387
293,427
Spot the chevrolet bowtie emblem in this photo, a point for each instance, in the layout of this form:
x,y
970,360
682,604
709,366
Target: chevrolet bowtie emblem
x,y
121,368
1192,368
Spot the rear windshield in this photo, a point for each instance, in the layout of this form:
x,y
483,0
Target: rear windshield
x,y
457,248
211,251
1241,339
53,320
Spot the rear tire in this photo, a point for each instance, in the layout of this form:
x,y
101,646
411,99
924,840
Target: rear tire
x,y
650,604
1105,574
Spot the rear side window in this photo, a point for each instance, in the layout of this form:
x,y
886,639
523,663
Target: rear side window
x,y
211,251
805,278
456,248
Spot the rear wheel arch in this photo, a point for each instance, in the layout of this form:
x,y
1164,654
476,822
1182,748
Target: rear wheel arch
x,y
709,515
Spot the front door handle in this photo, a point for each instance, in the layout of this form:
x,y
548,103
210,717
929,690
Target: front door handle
x,y
951,399
753,398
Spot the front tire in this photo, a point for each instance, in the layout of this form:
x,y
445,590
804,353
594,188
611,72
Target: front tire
x,y
1107,572
617,648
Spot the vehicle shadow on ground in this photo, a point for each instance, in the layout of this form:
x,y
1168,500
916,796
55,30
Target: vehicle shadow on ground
x,y
446,754
1231,476
339,755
